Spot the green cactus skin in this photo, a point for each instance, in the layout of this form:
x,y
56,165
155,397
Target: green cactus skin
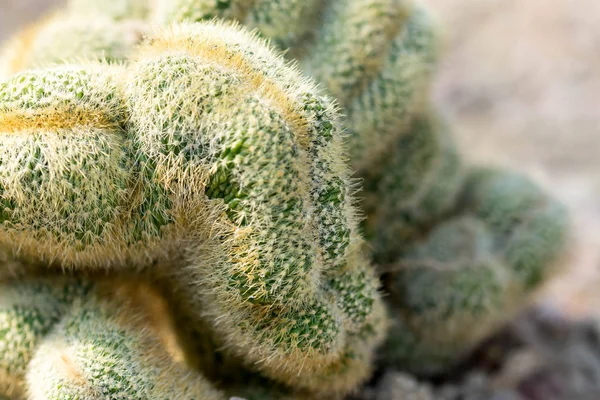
x,y
222,153
531,229
288,24
57,124
63,38
473,271
70,37
418,183
28,311
108,349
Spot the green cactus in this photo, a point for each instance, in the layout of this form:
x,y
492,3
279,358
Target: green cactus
x,y
28,311
209,145
379,88
169,11
210,165
473,271
530,228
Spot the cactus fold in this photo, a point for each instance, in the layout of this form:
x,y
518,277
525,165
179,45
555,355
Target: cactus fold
x,y
208,145
66,38
28,311
418,182
107,349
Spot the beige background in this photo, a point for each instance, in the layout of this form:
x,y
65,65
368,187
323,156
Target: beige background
x,y
521,80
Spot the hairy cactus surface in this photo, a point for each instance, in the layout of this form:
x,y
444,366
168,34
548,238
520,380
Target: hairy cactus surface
x,y
118,10
375,57
472,271
65,337
211,146
203,162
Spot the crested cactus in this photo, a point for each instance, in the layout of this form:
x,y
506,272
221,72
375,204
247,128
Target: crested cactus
x,y
211,146
375,57
65,337
118,10
207,163
472,271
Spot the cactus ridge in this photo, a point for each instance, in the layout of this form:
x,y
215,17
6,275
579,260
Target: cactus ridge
x,y
417,184
100,351
64,38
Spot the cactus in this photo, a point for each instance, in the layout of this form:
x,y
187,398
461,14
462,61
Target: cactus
x,y
208,164
118,10
210,145
472,271
379,91
379,88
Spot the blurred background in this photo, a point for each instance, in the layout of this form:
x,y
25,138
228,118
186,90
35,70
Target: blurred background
x,y
521,81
